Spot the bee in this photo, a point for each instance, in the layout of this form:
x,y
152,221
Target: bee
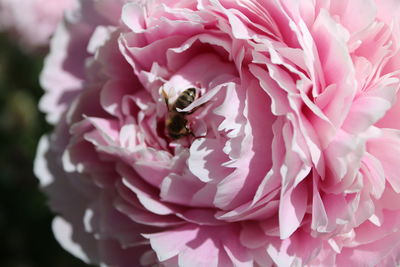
x,y
176,122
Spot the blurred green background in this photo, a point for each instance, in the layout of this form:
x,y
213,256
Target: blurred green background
x,y
25,220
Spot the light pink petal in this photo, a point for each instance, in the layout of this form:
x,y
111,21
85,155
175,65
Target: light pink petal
x,y
319,216
144,217
252,165
105,221
264,209
55,102
360,118
252,236
144,192
170,243
133,17
63,232
179,56
69,227
375,173
112,95
372,253
238,254
387,149
292,208
180,189
206,159
387,10
198,243
354,21
201,216
155,51
330,40
108,129
113,255
279,101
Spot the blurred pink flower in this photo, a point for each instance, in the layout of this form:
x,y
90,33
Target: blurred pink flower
x,y
288,155
32,22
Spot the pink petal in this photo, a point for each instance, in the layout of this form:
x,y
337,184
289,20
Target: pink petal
x,y
292,208
387,149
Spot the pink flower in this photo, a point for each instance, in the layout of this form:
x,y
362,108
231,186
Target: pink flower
x,y
286,155
32,22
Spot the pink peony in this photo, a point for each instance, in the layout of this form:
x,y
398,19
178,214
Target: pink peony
x,y
32,22
287,154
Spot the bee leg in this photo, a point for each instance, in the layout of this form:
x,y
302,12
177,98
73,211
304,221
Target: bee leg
x,y
195,137
165,95
188,131
198,137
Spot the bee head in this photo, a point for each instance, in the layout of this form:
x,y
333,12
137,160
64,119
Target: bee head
x,y
191,91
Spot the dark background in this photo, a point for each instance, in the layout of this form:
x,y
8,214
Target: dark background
x,y
26,239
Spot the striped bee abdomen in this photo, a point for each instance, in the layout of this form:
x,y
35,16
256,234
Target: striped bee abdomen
x,y
185,98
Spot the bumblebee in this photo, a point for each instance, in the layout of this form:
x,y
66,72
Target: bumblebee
x,y
176,122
